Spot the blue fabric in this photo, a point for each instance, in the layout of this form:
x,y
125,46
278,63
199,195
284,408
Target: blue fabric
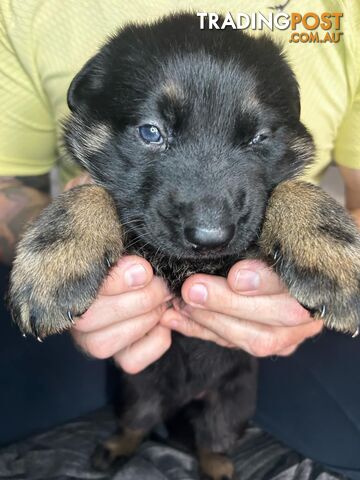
x,y
311,401
43,384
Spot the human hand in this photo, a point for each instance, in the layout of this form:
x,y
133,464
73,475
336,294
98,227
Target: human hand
x,y
83,179
123,321
251,310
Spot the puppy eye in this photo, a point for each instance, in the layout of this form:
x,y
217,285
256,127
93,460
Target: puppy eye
x,y
260,137
151,134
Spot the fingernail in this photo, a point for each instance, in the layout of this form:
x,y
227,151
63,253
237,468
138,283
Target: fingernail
x,y
135,276
247,280
198,293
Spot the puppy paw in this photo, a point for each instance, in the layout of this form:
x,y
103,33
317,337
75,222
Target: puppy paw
x,y
116,450
314,246
104,459
62,259
215,466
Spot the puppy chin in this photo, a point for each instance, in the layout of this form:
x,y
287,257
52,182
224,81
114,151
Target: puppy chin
x,y
193,253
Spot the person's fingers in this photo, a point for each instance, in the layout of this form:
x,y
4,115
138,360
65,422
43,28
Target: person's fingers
x,y
107,310
106,342
213,293
253,277
145,351
288,351
186,326
80,180
129,273
256,338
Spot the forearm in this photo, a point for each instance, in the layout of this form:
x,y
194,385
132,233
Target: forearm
x,y
21,199
355,213
351,179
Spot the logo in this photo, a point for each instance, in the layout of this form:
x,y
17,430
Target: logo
x,y
310,27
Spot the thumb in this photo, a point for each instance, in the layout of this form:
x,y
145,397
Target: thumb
x,y
253,277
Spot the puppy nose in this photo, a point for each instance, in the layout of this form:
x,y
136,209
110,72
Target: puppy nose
x,y
209,238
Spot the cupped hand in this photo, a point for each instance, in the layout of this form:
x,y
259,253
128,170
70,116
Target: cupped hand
x,y
123,321
250,309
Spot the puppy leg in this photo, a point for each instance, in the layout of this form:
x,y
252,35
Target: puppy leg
x,y
117,448
139,408
225,414
315,247
62,259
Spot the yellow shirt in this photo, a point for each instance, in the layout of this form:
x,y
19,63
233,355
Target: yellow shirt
x,y
43,43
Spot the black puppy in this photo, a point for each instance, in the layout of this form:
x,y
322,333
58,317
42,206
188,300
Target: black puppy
x,y
194,141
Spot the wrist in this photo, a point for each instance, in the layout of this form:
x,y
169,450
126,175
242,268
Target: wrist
x,y
355,213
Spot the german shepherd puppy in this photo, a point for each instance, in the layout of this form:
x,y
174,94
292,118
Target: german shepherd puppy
x,y
194,141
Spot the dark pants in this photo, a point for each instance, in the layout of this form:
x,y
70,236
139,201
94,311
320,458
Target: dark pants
x,y
310,400
43,384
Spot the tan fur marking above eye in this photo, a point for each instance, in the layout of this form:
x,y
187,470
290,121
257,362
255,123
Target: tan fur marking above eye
x,y
251,102
173,91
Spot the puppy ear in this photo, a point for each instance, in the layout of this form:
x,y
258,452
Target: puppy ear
x,y
297,104
86,87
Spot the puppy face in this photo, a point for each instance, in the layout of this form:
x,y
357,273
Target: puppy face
x,y
189,130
